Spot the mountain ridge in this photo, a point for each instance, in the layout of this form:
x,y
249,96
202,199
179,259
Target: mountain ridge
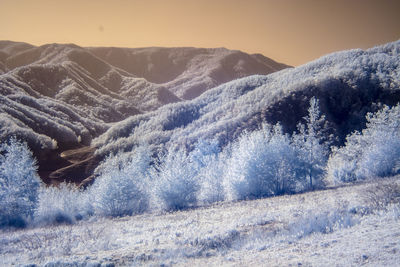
x,y
81,105
59,97
348,84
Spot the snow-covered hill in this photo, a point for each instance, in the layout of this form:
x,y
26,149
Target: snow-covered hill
x,y
59,97
334,227
184,184
348,84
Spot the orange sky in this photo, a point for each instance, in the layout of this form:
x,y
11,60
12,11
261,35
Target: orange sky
x,y
289,31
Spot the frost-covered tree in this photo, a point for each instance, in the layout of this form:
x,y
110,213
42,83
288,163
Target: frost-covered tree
x,y
175,186
263,163
313,142
209,162
374,152
121,187
19,183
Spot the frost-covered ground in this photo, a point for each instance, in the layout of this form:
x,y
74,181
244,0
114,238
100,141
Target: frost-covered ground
x,y
334,227
289,132
347,225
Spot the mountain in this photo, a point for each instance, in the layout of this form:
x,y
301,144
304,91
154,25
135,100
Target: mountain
x,y
58,97
74,106
348,84
187,72
204,180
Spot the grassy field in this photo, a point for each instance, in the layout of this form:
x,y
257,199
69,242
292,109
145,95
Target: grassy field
x,y
345,226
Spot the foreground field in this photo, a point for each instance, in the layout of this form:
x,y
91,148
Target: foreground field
x,y
343,226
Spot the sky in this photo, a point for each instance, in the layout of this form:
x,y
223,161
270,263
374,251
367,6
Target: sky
x,y
289,31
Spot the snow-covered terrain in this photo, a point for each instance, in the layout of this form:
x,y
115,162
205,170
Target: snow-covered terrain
x,y
335,227
59,97
348,84
298,167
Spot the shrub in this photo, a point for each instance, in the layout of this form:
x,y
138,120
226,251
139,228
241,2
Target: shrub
x,y
64,204
175,186
263,163
322,222
375,152
122,187
210,164
19,184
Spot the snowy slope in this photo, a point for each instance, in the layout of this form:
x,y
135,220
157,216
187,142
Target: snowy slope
x,y
348,84
97,89
59,97
344,229
64,95
356,224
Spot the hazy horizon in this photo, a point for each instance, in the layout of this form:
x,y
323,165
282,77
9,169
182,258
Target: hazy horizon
x,y
291,32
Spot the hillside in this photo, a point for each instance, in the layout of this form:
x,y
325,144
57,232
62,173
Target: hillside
x,y
345,229
297,167
59,97
348,84
187,72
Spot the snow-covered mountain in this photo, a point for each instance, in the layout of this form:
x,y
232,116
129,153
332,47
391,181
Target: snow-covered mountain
x,y
64,96
231,177
348,84
59,97
109,84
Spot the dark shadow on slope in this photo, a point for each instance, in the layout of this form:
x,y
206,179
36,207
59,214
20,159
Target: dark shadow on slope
x,y
46,80
345,107
166,97
96,67
181,117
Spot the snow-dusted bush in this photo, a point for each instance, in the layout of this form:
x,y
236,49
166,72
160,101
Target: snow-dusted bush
x,y
62,204
268,162
210,163
122,185
375,152
175,184
19,184
322,222
263,163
